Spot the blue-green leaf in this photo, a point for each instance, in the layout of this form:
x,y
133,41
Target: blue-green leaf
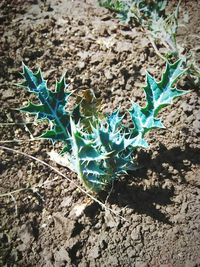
x,y
51,104
158,95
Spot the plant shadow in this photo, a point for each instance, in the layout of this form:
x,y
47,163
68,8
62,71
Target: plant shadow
x,y
131,193
143,201
177,162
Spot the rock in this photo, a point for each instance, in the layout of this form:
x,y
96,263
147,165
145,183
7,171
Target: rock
x,y
63,225
26,234
172,116
77,210
184,208
81,65
179,218
8,93
106,42
83,264
113,261
62,256
196,126
124,47
95,252
135,234
186,107
47,254
111,221
84,54
144,42
131,252
67,201
97,58
108,74
141,264
27,237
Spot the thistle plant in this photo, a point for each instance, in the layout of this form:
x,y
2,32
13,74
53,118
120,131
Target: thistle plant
x,y
160,27
99,147
139,10
152,17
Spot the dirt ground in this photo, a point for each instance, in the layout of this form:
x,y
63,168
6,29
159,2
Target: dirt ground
x,y
160,202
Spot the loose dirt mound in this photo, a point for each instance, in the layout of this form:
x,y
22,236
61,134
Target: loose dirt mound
x,y
160,201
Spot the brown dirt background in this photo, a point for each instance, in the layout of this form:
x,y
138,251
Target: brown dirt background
x,y
160,201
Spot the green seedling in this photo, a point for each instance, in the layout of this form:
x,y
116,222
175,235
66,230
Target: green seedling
x,y
99,146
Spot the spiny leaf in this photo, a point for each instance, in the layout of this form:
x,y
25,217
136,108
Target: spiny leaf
x,y
90,153
93,168
33,108
51,104
55,135
114,121
88,160
143,120
158,95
